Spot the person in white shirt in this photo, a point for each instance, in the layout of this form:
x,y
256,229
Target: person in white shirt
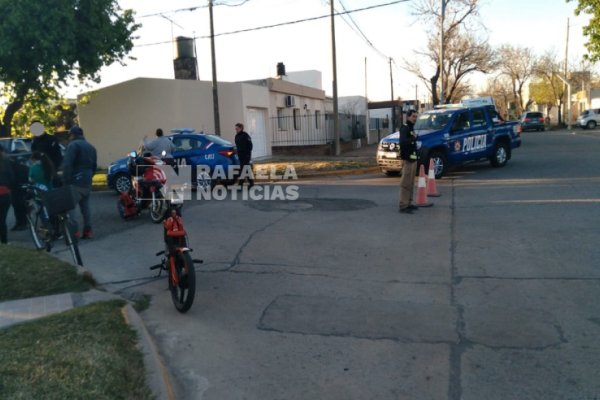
x,y
158,145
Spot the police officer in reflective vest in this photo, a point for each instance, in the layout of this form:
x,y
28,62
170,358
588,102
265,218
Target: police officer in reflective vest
x,y
408,154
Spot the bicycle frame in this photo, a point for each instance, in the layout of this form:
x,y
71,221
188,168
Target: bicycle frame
x,y
34,202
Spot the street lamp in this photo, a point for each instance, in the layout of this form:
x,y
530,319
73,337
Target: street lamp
x,y
568,100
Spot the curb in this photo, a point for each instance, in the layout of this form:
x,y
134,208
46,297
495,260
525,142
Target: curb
x,y
341,172
158,377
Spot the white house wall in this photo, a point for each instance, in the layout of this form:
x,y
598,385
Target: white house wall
x,y
116,118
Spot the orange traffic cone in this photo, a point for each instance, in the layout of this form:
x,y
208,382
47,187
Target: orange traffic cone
x,y
431,186
422,190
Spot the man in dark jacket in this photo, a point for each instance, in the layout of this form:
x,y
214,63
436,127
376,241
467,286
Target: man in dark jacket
x,y
45,143
79,166
408,154
243,142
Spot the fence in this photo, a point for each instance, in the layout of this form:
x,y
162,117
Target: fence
x,y
314,129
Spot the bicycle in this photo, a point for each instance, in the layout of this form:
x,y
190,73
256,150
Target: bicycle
x,y
48,218
177,260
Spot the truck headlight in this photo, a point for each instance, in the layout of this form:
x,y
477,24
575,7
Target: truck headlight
x,y
419,145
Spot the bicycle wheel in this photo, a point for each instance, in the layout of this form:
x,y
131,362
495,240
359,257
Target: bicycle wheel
x,y
184,289
70,241
38,230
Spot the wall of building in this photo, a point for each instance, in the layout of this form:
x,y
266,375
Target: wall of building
x,y
116,118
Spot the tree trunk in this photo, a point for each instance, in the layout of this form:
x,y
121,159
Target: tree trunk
x,y
434,95
9,113
560,113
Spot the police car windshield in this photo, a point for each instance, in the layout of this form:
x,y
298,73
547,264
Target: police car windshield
x,y
433,121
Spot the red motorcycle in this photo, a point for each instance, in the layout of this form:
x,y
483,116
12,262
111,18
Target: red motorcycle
x,y
147,188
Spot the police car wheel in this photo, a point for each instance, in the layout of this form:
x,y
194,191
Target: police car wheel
x,y
439,163
122,183
500,156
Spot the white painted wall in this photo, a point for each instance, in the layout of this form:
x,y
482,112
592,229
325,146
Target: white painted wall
x,y
117,117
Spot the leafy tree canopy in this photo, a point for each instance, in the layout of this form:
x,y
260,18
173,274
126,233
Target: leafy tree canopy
x,y
592,31
43,44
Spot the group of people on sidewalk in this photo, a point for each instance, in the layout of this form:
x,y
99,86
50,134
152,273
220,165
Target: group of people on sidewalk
x,y
78,166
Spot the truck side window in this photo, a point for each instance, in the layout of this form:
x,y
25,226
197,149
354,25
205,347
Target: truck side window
x,y
461,122
478,119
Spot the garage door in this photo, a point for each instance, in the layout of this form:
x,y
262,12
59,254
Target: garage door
x,y
257,128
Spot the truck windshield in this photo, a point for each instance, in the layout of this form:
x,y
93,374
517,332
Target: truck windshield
x,y
433,121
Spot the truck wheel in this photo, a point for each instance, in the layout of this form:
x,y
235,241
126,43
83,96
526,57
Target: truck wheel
x,y
439,163
500,155
590,125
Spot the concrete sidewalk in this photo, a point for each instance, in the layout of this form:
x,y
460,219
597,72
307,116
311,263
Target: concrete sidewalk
x,y
19,311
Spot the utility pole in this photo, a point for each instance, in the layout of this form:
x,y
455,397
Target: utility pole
x,y
336,132
442,16
214,72
393,103
568,102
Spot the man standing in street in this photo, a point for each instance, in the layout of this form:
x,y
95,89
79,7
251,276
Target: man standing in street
x,y
160,144
408,154
79,166
243,142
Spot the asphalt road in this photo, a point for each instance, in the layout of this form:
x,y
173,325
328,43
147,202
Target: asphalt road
x,y
492,293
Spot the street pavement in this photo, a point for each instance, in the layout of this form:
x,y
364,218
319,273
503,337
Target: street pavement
x,y
491,293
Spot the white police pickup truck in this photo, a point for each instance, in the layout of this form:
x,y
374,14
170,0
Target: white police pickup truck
x,y
452,136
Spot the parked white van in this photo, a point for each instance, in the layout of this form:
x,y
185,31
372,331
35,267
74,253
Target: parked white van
x,y
589,119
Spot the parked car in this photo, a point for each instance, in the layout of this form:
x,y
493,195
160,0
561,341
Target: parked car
x,y
191,148
16,145
17,148
589,119
532,121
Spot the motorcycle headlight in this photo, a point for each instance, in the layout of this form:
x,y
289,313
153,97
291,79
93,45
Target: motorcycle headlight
x,y
419,145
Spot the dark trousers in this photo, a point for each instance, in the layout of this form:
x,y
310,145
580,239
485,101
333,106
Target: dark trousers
x,y
19,206
4,206
245,164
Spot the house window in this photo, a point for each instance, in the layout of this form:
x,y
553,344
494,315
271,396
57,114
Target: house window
x,y
296,119
280,120
317,118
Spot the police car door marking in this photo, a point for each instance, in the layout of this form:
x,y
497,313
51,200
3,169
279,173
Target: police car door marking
x,y
474,143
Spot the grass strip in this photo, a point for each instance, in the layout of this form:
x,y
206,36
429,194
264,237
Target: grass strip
x,y
85,353
27,273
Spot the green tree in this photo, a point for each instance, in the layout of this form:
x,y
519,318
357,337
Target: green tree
x,y
44,44
592,30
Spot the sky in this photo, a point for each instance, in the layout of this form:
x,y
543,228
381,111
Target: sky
x,y
364,43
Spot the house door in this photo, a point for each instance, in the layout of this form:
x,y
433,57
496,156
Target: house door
x,y
257,128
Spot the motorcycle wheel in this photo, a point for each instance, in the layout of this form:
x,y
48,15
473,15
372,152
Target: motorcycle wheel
x,y
158,208
182,292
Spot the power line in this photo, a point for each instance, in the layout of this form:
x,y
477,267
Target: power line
x,y
190,9
277,25
360,32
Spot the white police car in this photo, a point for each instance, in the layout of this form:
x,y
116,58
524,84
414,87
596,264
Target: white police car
x,y
388,154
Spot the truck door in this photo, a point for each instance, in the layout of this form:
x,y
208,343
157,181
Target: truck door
x,y
468,136
483,130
